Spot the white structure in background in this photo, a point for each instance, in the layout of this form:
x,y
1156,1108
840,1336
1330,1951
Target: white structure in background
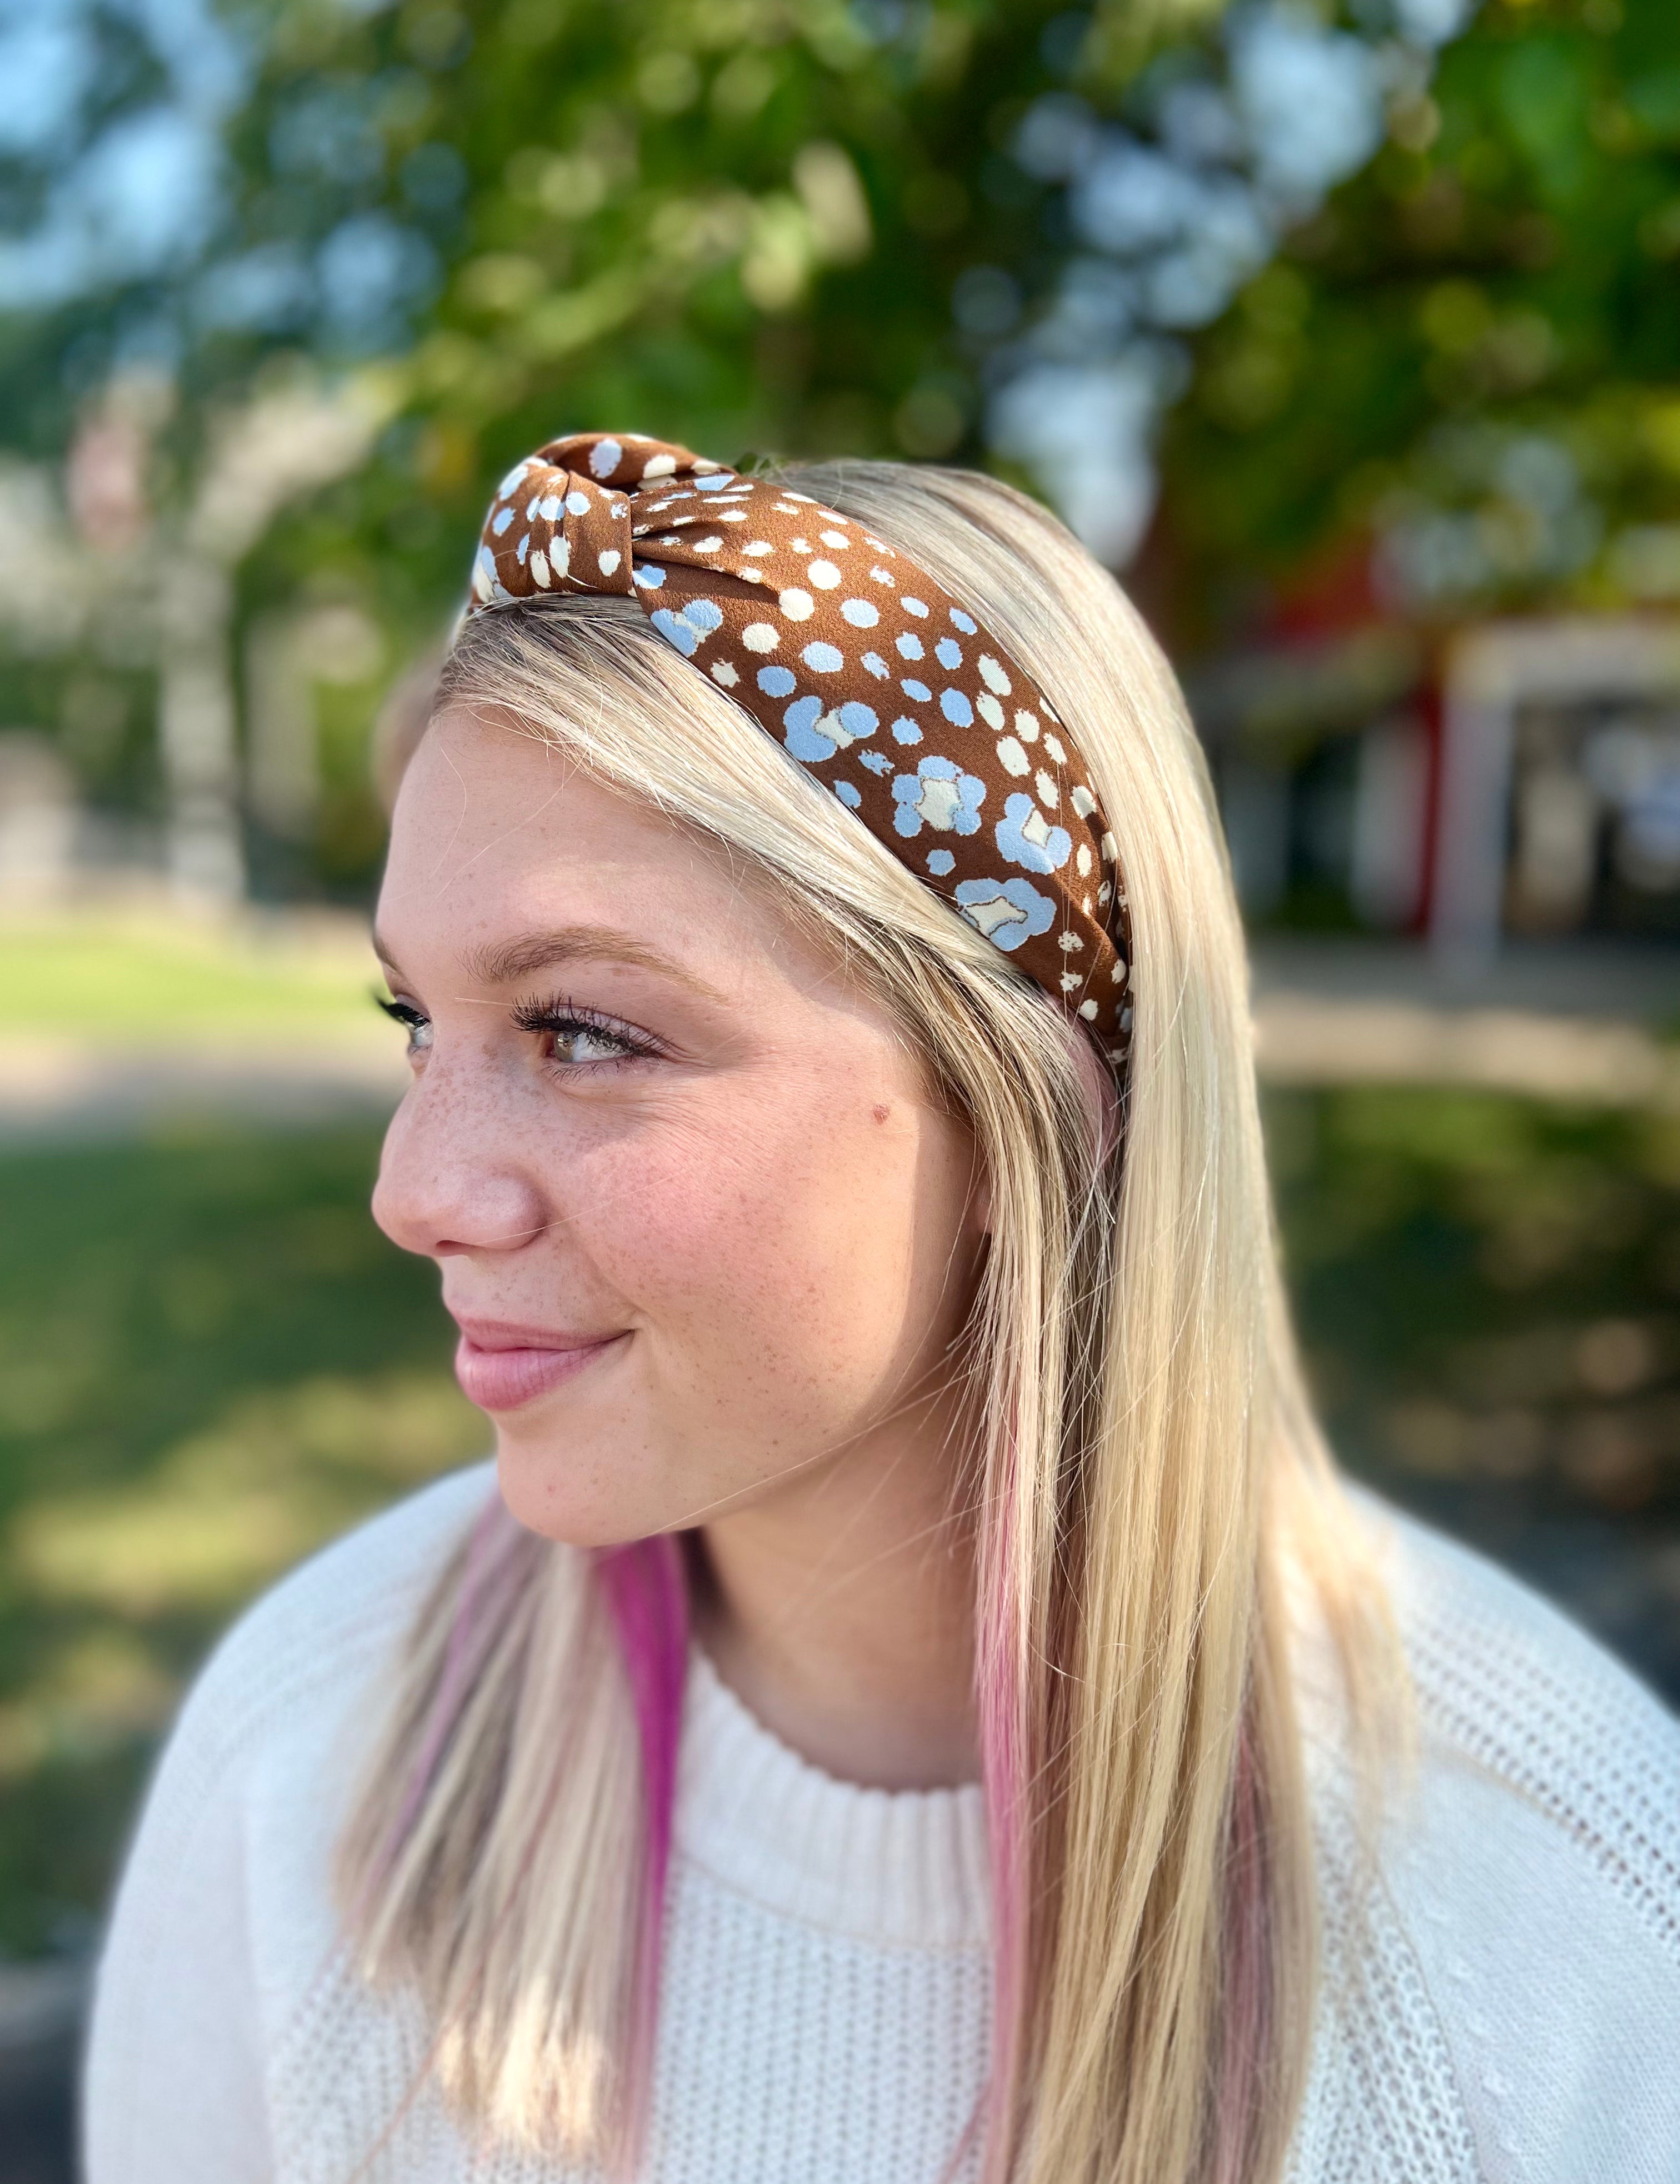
x,y
1390,823
287,656
285,445
38,818
1554,732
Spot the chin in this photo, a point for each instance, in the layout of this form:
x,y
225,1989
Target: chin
x,y
568,1494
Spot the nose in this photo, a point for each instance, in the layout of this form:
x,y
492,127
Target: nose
x,y
448,1182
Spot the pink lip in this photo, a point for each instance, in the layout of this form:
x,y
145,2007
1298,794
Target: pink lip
x,y
501,1366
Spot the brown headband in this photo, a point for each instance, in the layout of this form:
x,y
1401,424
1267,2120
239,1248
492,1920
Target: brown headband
x,y
862,668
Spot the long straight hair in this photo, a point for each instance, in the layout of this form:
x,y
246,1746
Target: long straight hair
x,y
1145,1478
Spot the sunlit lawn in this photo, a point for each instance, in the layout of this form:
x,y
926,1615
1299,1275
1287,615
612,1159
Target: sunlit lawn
x,y
126,974
209,1360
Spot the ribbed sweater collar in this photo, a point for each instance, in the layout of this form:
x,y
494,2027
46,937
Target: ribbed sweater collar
x,y
903,1868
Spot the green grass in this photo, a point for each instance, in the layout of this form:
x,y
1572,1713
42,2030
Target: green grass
x,y
154,977
210,1360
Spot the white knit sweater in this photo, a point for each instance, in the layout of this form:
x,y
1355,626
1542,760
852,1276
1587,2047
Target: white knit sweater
x,y
825,2006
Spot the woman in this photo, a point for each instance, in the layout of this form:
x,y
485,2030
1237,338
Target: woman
x,y
914,1703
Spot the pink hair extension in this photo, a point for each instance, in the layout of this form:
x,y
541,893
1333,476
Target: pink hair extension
x,y
645,1588
1245,1949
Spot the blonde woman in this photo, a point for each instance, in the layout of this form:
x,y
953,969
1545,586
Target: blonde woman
x,y
911,1701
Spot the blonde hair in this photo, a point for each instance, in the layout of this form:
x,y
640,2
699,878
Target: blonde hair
x,y
1145,1467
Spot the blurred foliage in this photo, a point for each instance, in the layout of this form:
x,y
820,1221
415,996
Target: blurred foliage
x,y
739,219
209,1360
1488,1293
1470,359
442,232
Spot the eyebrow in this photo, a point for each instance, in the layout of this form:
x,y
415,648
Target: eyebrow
x,y
502,963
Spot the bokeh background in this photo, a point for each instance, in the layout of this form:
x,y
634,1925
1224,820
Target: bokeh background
x,y
1348,332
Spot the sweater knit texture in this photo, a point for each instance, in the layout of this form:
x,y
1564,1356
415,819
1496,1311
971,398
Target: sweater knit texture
x,y
1505,2008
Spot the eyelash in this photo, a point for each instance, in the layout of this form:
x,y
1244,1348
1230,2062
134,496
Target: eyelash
x,y
554,1017
558,1015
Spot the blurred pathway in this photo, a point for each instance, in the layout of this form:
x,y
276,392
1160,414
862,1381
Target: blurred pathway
x,y
1577,1022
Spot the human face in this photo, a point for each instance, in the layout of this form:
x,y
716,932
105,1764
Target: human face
x,y
706,1228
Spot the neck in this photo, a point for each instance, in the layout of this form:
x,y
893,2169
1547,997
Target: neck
x,y
840,1609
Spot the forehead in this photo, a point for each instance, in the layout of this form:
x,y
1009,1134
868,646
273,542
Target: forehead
x,y
495,831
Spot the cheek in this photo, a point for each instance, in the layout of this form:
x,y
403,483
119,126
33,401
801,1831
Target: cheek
x,y
786,1267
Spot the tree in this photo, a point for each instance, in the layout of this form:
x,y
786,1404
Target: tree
x,y
1465,371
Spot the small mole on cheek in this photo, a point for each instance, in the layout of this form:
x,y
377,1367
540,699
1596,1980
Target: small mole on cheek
x,y
881,1113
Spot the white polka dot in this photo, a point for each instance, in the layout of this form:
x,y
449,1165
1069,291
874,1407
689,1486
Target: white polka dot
x,y
1083,802
1111,850
797,605
1026,728
1012,757
604,457
1072,982
882,576
859,613
1083,860
992,676
729,515
989,710
539,569
801,545
1054,748
913,606
723,671
660,466
824,575
1069,944
578,503
607,560
825,659
758,546
1047,792
1088,1010
760,636
834,538
1104,892
707,545
559,556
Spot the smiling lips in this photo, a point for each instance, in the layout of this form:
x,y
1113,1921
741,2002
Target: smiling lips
x,y
500,1367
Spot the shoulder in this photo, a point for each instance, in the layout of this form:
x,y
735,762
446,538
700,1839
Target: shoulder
x,y
1516,1699
265,1722
319,1629
224,1919
1528,1928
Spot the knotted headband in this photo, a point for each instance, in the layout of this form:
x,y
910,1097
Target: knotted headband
x,y
888,689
